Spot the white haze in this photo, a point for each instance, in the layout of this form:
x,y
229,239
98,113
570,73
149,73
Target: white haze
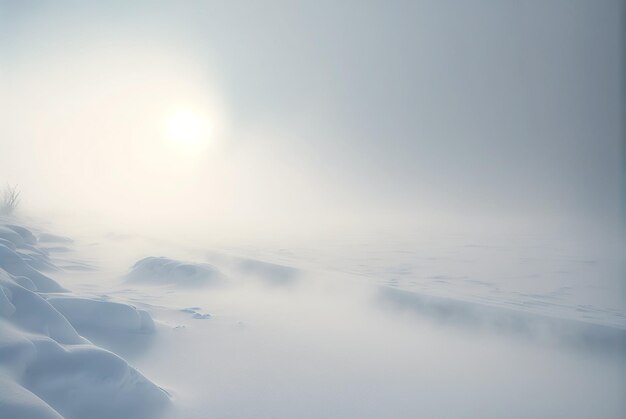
x,y
409,208
359,116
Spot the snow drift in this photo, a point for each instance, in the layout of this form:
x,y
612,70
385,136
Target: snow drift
x,y
164,271
16,265
270,273
47,370
87,312
481,316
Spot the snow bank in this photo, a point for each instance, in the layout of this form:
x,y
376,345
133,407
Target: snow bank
x,y
85,381
20,257
52,238
90,313
35,257
17,402
13,263
27,236
7,243
270,273
31,313
165,271
47,370
469,314
11,235
40,350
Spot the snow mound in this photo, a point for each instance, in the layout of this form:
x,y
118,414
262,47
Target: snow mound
x,y
90,313
10,235
25,234
88,382
52,238
165,271
269,272
475,315
272,274
31,313
43,360
36,258
17,402
49,371
8,244
20,257
11,262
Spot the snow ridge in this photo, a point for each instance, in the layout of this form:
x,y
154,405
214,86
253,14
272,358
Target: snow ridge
x,y
47,369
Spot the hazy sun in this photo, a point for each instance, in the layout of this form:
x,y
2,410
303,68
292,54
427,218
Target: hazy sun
x,y
189,129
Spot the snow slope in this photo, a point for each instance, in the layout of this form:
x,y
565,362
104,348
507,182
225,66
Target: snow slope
x,y
47,370
247,333
162,271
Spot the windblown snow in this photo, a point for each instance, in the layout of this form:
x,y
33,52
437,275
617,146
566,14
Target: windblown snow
x,y
165,271
252,334
47,370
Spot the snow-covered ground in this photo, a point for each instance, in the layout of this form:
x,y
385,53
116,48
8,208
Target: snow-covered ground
x,y
127,327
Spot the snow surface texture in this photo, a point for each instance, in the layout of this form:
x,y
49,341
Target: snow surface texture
x,y
247,268
262,333
47,370
164,271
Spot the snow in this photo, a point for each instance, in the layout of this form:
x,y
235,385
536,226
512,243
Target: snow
x,y
85,381
90,313
16,265
47,370
162,271
17,402
53,238
10,235
273,333
506,320
247,268
27,236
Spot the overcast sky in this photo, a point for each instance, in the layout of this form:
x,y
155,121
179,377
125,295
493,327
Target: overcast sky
x,y
329,112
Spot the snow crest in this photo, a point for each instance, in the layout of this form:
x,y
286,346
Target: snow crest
x,y
47,369
164,271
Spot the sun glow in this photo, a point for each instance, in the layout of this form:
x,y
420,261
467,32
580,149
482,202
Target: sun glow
x,y
189,129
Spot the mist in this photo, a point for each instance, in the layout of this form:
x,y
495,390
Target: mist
x,y
386,209
359,116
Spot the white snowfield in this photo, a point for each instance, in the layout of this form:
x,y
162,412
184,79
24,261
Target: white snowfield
x,y
232,336
47,370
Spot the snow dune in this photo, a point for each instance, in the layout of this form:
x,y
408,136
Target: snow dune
x,y
95,314
165,271
16,265
47,370
270,273
475,316
234,336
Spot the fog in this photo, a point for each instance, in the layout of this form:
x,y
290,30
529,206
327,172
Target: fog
x,y
352,117
313,209
281,341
